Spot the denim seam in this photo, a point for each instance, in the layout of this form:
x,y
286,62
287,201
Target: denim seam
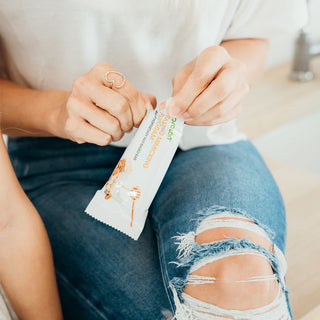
x,y
164,272
81,295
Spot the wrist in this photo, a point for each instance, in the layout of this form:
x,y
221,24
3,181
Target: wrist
x,y
251,52
54,113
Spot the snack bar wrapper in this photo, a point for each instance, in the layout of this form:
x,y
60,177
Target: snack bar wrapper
x,y
124,200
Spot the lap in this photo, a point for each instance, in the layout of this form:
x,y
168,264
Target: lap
x,y
120,277
233,176
101,273
97,266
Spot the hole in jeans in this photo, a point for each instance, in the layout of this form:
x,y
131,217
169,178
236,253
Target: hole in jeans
x,y
231,275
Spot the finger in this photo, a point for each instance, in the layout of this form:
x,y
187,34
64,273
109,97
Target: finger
x,y
137,104
218,90
89,88
150,100
207,65
82,132
101,120
179,80
232,114
221,110
181,77
128,91
115,104
140,113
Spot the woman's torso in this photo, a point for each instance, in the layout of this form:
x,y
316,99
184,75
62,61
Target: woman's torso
x,y
47,44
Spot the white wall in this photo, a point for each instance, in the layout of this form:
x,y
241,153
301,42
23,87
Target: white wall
x,y
282,48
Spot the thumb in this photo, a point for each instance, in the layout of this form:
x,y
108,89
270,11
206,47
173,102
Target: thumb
x,y
150,100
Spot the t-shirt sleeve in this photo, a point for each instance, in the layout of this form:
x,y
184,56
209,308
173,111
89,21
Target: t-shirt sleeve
x,y
267,18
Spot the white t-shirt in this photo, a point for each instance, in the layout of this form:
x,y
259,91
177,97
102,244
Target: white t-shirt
x,y
47,44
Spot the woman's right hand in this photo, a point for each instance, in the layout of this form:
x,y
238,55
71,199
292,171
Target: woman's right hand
x,y
97,114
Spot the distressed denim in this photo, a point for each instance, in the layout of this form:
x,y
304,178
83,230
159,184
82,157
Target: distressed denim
x,y
103,274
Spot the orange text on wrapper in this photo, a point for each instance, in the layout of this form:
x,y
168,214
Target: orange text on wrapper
x,y
157,133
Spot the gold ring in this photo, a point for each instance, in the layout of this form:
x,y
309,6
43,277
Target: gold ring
x,y
113,83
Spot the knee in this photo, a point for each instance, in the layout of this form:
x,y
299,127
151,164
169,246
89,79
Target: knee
x,y
232,286
232,269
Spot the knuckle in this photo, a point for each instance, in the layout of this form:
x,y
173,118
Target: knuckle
x,y
123,105
208,51
200,77
114,125
72,104
134,96
215,50
219,111
118,137
238,66
79,140
221,89
70,126
80,83
128,127
108,139
138,120
222,51
194,111
104,141
101,66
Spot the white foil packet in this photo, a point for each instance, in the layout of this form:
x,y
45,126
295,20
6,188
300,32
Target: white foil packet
x,y
124,200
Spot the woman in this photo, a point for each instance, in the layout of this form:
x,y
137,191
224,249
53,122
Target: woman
x,y
26,268
214,239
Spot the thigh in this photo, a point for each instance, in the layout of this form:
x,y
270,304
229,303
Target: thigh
x,y
206,179
101,273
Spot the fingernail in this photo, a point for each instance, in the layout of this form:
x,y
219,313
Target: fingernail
x,y
162,105
186,116
149,107
174,111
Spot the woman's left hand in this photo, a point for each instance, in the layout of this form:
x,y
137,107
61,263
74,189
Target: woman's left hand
x,y
210,89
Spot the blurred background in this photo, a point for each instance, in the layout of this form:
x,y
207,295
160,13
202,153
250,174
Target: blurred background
x,y
282,118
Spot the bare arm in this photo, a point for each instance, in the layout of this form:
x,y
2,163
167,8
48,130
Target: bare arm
x,y
251,52
92,112
28,112
26,264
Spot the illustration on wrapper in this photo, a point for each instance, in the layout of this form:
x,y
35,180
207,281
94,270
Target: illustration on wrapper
x,y
116,189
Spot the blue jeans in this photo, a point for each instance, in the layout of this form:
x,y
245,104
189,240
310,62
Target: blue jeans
x,y
102,273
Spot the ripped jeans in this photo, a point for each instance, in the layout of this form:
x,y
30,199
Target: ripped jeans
x,y
212,247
